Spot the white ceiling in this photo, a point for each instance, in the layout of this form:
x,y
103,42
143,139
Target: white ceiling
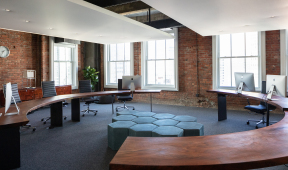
x,y
214,17
74,19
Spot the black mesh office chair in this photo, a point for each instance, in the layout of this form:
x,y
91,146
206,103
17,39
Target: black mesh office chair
x,y
85,87
260,109
123,97
49,90
16,96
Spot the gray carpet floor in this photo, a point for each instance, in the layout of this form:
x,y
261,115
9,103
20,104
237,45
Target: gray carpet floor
x,y
84,145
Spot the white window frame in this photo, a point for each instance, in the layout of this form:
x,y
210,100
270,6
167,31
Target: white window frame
x,y
284,53
261,61
144,70
74,61
106,66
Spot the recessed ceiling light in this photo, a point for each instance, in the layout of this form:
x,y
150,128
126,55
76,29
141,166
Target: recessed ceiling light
x,y
272,17
246,25
7,10
27,21
100,35
50,28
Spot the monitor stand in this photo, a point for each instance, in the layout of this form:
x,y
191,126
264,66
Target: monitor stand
x,y
240,88
132,86
14,113
270,92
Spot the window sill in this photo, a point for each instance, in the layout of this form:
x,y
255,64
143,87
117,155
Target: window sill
x,y
160,88
112,86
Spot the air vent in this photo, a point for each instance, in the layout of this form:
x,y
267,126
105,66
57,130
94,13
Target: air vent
x,y
66,41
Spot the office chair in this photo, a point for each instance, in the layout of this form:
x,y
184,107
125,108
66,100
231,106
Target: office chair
x,y
16,96
48,90
123,97
260,109
85,87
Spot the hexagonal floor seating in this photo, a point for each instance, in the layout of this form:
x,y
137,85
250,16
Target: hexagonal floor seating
x,y
144,120
185,118
167,131
142,130
191,128
164,116
166,122
126,112
144,114
117,133
123,118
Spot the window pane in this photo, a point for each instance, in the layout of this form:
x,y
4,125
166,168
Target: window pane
x,y
119,70
56,74
252,44
56,53
112,72
252,67
61,53
151,72
120,52
225,45
68,54
127,51
160,49
238,65
112,52
69,73
225,72
151,49
238,44
127,68
170,72
63,75
170,49
160,72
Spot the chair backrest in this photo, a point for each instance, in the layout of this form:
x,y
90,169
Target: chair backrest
x,y
15,93
85,86
120,88
48,89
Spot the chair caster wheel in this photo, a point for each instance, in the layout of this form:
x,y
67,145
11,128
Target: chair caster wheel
x,y
116,110
44,122
34,129
65,118
248,123
95,114
83,115
256,127
133,109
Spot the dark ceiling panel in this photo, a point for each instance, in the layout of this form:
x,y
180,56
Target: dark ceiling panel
x,y
107,3
165,23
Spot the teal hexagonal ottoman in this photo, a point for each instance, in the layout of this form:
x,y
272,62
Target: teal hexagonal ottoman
x,y
167,131
142,130
185,118
144,114
144,120
191,128
123,118
117,133
164,116
166,122
126,112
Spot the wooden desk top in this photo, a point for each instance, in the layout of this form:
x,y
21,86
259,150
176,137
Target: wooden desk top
x,y
28,106
263,147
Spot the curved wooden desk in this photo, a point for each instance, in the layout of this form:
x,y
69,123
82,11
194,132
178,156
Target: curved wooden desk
x,y
9,125
264,147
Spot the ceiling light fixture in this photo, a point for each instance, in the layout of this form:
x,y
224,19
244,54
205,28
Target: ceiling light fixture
x,y
272,17
27,21
50,28
7,10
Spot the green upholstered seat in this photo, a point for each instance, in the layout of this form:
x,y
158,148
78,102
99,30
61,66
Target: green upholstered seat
x,y
144,120
166,122
126,112
142,130
191,128
167,131
117,133
123,118
185,118
164,116
144,114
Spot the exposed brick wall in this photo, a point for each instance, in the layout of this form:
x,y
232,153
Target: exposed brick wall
x,y
273,52
44,58
137,58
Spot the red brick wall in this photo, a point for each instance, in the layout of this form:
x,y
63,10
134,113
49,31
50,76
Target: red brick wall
x,y
273,52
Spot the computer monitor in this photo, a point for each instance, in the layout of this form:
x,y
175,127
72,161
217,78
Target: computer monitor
x,y
244,81
276,84
131,82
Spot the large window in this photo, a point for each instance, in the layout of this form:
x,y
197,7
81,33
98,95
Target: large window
x,y
239,52
118,62
160,63
64,61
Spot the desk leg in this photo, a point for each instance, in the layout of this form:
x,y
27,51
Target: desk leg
x,y
10,148
56,112
268,115
113,97
75,110
222,109
151,101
